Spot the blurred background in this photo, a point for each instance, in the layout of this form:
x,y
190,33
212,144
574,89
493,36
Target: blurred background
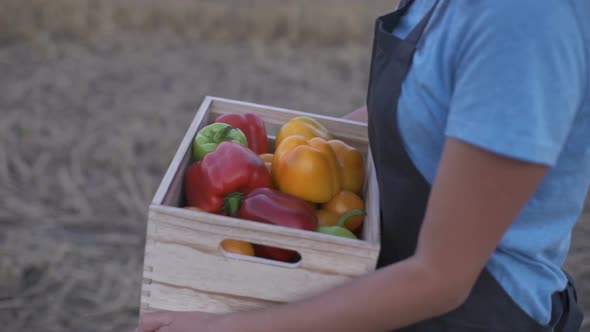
x,y
95,97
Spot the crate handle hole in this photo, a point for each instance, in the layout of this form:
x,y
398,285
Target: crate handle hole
x,y
246,251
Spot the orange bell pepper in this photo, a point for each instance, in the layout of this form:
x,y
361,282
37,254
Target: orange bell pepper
x,y
340,204
307,169
352,166
304,126
327,218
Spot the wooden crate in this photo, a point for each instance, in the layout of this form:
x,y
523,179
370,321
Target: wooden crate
x,y
185,267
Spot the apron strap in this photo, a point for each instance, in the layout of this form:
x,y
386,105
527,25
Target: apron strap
x,y
404,3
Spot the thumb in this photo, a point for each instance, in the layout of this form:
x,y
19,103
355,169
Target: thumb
x,y
152,322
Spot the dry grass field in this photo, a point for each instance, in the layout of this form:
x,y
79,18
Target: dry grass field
x,y
95,97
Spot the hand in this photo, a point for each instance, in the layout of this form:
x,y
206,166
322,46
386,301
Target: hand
x,y
168,321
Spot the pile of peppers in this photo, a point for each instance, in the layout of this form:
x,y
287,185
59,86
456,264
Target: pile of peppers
x,y
310,181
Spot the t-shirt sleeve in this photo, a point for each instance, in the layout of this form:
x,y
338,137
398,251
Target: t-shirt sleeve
x,y
518,79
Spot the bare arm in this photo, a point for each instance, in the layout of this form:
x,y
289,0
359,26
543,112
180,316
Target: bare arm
x,y
474,199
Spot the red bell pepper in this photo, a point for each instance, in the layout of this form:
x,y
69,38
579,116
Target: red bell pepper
x,y
253,126
229,172
273,207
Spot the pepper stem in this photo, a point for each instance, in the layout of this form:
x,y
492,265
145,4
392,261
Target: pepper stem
x,y
232,203
221,135
347,215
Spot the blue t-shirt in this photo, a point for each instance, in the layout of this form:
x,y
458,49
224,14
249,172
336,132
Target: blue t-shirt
x,y
511,77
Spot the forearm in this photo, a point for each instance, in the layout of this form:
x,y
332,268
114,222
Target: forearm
x,y
392,297
474,199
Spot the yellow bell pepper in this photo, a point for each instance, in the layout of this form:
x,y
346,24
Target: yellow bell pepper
x,y
233,246
267,158
307,169
304,126
352,166
238,247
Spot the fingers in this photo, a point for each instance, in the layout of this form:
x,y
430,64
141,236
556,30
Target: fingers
x,y
154,321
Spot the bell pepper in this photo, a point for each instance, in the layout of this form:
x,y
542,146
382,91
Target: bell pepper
x,y
194,208
230,170
352,166
267,158
252,126
273,207
209,137
326,217
307,169
339,229
304,126
232,246
238,247
340,204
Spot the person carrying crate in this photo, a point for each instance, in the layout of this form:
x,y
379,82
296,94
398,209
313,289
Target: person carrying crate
x,y
479,123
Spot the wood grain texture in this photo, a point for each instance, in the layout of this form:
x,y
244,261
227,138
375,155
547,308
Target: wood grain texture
x,y
371,228
185,268
169,297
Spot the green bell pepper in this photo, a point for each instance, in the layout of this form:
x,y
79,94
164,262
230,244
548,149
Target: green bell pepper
x,y
209,137
339,229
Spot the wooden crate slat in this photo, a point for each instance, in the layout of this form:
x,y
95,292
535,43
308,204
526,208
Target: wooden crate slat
x,y
371,227
166,297
185,226
197,269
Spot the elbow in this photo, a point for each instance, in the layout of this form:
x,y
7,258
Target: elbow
x,y
449,299
453,298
